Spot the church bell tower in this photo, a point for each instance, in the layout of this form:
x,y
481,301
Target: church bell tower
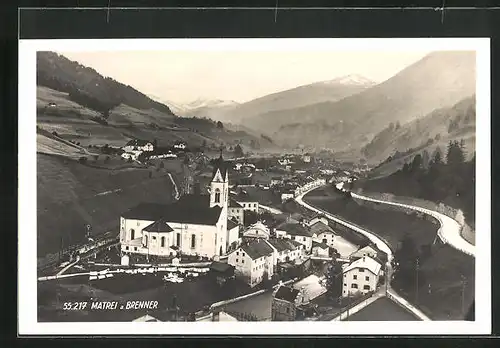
x,y
219,196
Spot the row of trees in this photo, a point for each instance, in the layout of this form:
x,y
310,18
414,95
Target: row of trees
x,y
439,177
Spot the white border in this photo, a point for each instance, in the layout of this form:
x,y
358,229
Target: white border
x,y
27,274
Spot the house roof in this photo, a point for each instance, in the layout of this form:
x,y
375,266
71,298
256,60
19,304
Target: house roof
x,y
186,210
295,243
257,249
319,227
295,229
231,224
221,267
233,203
159,226
366,250
286,293
364,262
281,244
321,245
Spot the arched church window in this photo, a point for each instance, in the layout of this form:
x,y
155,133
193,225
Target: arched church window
x,y
132,234
162,242
217,196
145,240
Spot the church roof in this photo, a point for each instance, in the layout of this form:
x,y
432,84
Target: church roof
x,y
159,226
187,210
257,249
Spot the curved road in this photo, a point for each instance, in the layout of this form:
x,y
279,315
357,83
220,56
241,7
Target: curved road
x,y
449,232
382,245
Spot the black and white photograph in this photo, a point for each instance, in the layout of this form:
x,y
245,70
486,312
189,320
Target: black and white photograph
x,y
314,185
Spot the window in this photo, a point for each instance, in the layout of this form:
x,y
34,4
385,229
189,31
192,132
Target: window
x,y
304,239
354,286
178,241
162,242
132,234
242,260
193,241
217,196
242,254
287,310
354,276
366,287
361,269
237,260
135,248
367,278
237,253
145,240
126,248
345,284
154,238
325,240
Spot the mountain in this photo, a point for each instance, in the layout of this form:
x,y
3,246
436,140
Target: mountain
x,y
331,90
435,129
87,86
85,107
438,80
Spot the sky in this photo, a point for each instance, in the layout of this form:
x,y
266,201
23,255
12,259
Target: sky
x,y
184,76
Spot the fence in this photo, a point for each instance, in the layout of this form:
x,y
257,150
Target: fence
x,y
405,304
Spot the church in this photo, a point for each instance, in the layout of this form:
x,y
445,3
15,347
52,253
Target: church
x,y
197,224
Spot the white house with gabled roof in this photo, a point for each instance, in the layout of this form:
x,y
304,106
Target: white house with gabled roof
x,y
361,276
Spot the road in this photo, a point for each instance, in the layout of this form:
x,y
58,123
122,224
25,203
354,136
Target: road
x,y
381,244
449,232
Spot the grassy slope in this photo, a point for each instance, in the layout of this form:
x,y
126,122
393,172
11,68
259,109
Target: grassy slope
x,y
443,269
71,195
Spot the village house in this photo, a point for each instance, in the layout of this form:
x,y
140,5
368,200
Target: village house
x,y
285,250
285,196
253,261
221,271
298,232
180,145
361,276
286,303
138,145
194,225
320,249
248,203
133,154
306,158
257,230
236,211
275,180
366,251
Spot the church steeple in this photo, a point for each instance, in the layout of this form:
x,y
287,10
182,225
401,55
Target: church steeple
x,y
219,186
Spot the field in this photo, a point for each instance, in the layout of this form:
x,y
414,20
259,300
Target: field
x,y
74,122
440,286
259,306
71,195
383,309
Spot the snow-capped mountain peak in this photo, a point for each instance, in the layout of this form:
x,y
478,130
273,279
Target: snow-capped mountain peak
x,y
351,79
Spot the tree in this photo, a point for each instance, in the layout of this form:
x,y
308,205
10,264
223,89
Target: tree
x,y
129,160
220,125
416,164
425,159
238,151
455,154
333,278
437,157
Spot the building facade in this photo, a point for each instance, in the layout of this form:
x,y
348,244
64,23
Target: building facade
x,y
253,262
195,225
361,276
